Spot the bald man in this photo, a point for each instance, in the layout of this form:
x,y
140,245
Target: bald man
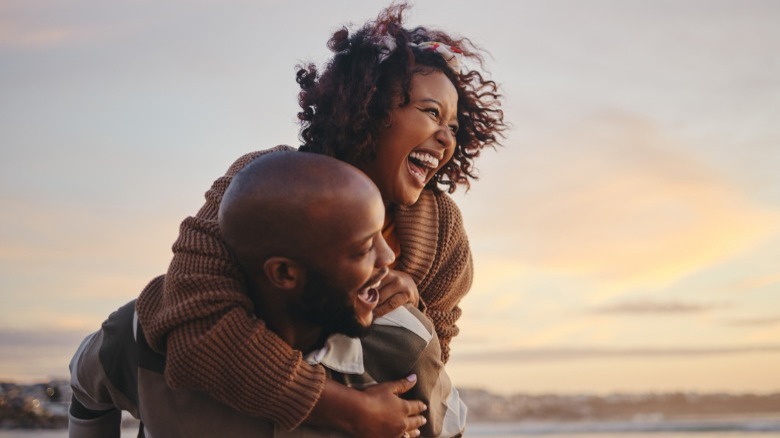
x,y
306,232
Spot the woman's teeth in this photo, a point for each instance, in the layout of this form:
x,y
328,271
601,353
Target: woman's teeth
x,y
424,159
421,163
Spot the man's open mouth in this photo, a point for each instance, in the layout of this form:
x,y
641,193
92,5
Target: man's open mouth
x,y
370,294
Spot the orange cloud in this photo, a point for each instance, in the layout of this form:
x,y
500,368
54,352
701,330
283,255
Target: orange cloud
x,y
18,35
69,267
616,201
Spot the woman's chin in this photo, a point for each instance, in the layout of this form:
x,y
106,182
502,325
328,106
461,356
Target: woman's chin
x,y
408,201
409,196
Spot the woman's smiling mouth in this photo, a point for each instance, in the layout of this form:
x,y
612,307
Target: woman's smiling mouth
x,y
420,164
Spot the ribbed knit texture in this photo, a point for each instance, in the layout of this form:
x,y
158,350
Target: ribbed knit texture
x,y
200,315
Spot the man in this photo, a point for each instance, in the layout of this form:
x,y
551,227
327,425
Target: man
x,y
306,232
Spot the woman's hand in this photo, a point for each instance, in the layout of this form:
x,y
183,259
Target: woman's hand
x,y
396,289
390,416
377,411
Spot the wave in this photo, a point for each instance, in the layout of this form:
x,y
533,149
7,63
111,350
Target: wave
x,y
714,425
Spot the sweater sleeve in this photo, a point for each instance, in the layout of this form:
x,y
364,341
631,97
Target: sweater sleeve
x,y
200,315
451,273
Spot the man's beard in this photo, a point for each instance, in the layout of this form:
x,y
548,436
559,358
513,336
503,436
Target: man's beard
x,y
329,308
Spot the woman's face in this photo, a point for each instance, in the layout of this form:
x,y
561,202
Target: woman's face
x,y
418,140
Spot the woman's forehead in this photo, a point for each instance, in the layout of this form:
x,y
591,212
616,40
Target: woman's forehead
x,y
434,86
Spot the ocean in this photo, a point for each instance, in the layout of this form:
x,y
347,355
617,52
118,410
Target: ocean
x,y
763,427
750,428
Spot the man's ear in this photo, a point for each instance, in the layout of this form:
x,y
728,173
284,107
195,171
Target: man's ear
x,y
283,273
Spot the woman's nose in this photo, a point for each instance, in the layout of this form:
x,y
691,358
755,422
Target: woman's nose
x,y
445,137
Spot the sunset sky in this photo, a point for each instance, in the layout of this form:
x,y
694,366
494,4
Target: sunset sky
x,y
626,236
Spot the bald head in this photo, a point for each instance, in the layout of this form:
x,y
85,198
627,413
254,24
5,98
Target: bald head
x,y
290,204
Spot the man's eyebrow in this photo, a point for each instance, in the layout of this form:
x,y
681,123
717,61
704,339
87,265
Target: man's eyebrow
x,y
364,240
373,234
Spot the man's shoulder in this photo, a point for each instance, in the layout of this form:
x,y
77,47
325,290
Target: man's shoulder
x,y
409,319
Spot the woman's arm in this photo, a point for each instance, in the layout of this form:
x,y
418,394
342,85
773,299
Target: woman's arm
x,y
450,275
201,316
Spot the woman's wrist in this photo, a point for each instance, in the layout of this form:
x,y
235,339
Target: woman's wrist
x,y
337,408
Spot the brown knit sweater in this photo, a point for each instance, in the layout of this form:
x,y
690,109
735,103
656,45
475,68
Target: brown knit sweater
x,y
200,315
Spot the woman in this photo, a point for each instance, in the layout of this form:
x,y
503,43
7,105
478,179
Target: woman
x,y
396,104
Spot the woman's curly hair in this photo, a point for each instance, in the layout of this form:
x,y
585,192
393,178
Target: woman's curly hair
x,y
342,109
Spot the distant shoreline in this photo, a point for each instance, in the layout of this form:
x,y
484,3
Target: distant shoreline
x,y
45,405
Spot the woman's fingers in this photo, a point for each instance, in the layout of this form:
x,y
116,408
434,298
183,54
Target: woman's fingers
x,y
415,408
413,425
397,289
388,415
395,301
400,386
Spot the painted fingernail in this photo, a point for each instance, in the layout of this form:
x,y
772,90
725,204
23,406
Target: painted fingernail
x,y
412,377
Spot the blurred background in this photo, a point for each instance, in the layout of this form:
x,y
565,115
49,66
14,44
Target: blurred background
x,y
626,237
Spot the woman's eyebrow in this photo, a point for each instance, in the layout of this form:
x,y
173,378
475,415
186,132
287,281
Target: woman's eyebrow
x,y
433,100
430,99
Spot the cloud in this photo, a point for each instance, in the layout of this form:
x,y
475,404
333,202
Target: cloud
x,y
755,322
654,307
758,282
29,355
40,338
569,354
616,200
17,36
70,265
57,232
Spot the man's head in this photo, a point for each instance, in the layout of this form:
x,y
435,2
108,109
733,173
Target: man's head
x,y
306,230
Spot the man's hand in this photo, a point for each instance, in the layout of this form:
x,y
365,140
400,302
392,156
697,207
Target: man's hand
x,y
378,411
396,289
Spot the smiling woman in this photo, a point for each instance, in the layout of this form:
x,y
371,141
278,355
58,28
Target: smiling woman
x,y
397,104
417,141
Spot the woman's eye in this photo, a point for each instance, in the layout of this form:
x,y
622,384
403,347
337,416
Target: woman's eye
x,y
454,129
434,112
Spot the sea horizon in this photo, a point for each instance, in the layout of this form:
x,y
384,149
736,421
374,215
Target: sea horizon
x,y
768,427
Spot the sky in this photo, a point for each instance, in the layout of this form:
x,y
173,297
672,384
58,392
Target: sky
x,y
626,235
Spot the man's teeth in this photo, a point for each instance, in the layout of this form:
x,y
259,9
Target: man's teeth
x,y
426,159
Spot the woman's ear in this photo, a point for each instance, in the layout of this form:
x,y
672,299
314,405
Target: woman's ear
x,y
283,273
387,120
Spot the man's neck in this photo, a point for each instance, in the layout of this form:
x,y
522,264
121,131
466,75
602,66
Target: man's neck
x,y
300,335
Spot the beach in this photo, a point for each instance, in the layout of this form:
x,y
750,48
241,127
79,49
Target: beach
x,y
714,428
